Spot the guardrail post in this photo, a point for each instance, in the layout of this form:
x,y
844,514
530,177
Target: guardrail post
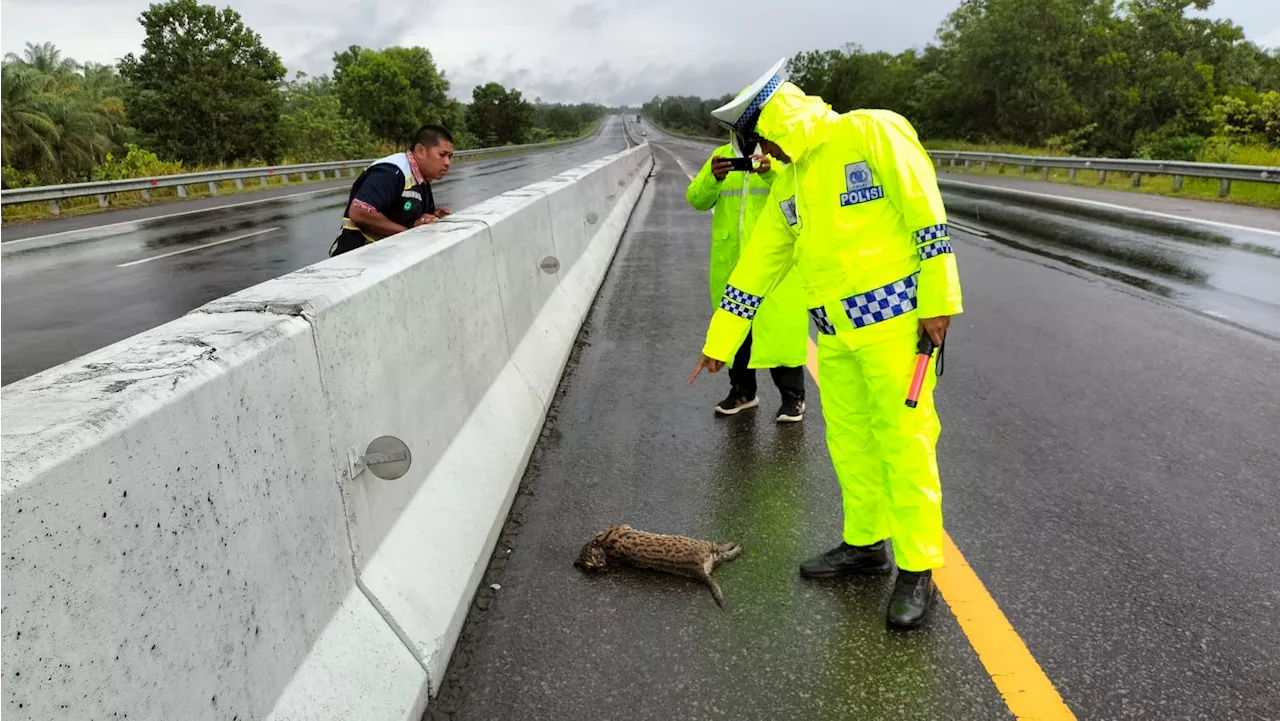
x,y
264,181
213,187
966,162
146,195
1071,175
1022,170
1177,182
102,200
953,163
1137,180
239,184
182,191
1000,169
1044,173
54,208
284,178
1102,177
984,166
1224,187
304,176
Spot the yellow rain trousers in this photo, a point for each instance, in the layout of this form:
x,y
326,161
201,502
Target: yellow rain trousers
x,y
781,327
859,212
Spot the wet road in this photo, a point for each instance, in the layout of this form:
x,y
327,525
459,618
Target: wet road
x,y
1108,463
87,287
1214,258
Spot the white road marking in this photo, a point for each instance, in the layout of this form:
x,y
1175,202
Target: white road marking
x,y
96,228
198,247
1125,208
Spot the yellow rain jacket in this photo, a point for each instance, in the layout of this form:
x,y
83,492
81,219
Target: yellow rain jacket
x,y
859,212
781,325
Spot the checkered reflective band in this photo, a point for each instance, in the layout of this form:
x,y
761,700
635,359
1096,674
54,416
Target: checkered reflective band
x,y
883,303
748,117
740,302
932,232
739,310
742,297
820,319
938,247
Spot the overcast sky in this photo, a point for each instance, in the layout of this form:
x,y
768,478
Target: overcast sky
x,y
606,51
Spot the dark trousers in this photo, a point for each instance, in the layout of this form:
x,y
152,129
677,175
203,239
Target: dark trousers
x,y
346,242
790,381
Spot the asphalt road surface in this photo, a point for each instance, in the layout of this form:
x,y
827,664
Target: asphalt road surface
x,y
1109,471
74,285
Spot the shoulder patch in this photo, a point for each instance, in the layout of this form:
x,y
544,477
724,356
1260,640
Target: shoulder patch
x,y
860,185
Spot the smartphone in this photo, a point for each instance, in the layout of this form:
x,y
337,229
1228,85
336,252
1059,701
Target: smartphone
x,y
740,164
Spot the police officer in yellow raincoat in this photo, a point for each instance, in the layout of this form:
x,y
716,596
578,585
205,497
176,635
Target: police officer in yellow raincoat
x,y
857,209
779,336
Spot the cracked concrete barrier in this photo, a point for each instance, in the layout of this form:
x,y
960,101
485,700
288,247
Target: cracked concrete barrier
x,y
174,540
282,580
464,375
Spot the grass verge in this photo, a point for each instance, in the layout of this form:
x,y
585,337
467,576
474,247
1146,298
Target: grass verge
x,y
1264,195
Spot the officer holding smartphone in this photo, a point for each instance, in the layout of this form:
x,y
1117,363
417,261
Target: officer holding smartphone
x,y
735,182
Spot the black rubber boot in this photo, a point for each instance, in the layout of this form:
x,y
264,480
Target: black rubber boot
x,y
846,560
914,595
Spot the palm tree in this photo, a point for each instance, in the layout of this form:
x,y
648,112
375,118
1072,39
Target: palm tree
x,y
46,58
30,136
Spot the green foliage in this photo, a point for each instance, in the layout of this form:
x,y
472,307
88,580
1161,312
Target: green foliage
x,y
314,127
137,163
687,114
59,118
394,91
14,178
498,116
205,94
565,121
1093,77
205,88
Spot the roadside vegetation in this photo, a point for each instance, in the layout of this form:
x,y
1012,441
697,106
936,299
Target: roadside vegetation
x,y
205,93
1092,78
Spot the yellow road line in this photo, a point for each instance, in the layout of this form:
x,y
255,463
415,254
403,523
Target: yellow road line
x,y
1026,690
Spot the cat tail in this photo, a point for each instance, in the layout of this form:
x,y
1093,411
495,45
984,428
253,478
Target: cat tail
x,y
715,590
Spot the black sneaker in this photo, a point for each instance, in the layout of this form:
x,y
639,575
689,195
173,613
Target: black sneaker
x,y
846,560
736,402
914,595
792,410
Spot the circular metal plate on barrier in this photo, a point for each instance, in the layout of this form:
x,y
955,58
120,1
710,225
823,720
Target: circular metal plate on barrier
x,y
387,457
550,264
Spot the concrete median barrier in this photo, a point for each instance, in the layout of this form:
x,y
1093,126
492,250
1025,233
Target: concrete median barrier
x,y
185,532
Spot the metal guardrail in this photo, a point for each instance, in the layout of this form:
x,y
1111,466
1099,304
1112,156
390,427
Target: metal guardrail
x,y
106,188
1224,173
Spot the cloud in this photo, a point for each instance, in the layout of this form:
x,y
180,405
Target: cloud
x,y
608,51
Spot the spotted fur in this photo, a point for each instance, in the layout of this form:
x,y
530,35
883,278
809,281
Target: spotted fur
x,y
659,552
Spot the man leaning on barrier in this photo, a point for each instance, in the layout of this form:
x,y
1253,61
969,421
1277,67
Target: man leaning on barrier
x,y
394,193
858,210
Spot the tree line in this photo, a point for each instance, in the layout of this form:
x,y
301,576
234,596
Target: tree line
x,y
206,92
1131,78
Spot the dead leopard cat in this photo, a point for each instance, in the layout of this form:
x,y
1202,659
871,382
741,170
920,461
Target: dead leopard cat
x,y
673,554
